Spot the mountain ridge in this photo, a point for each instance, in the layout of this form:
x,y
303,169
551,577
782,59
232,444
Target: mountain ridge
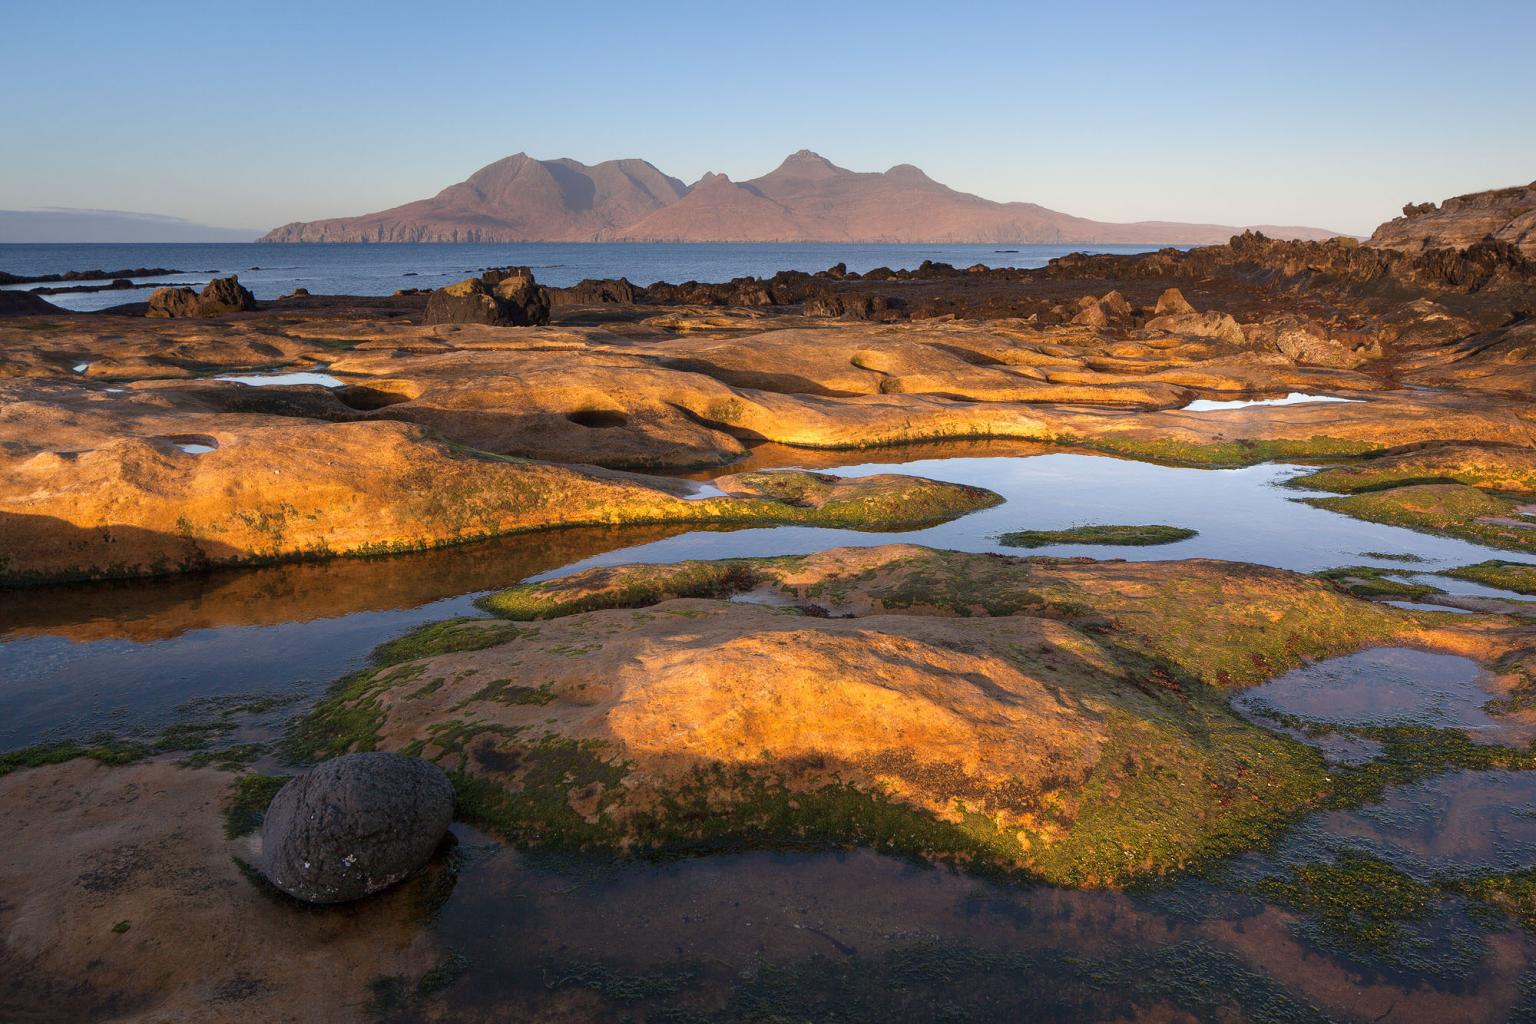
x,y
807,198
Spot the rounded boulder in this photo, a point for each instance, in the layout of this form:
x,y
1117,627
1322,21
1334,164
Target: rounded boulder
x,y
354,825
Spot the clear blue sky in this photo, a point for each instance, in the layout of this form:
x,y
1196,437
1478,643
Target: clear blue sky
x,y
1330,114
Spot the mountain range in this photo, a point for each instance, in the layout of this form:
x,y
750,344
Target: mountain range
x,y
806,198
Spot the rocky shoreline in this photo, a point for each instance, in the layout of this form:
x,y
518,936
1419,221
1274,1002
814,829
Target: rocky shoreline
x,y
1062,726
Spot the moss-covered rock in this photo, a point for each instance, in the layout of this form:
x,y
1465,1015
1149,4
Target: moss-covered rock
x,y
1060,718
1137,536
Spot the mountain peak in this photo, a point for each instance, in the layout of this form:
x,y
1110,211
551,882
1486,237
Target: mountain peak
x,y
803,163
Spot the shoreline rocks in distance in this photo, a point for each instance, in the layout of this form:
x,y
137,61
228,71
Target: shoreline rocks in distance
x,y
354,825
85,275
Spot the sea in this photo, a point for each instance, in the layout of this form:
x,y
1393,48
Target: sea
x,y
273,269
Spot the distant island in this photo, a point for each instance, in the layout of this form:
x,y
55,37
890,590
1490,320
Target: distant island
x,y
806,198
64,224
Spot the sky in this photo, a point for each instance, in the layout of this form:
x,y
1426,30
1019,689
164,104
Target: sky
x,y
252,115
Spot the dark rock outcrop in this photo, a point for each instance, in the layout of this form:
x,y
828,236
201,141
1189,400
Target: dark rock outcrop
x,y
506,297
222,295
355,825
14,303
595,292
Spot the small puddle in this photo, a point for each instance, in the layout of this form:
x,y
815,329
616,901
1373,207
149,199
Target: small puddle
x,y
1420,606
1294,398
1384,686
82,367
702,491
258,380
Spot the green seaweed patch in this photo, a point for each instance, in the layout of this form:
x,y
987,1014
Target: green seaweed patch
x,y
1513,893
249,796
105,749
1097,534
1222,454
348,717
629,586
1178,789
450,636
1359,899
1369,581
1518,577
1453,510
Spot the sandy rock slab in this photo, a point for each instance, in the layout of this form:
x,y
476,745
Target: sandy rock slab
x,y
123,902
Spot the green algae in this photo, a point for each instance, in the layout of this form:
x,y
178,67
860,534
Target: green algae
x,y
248,800
1359,899
1453,510
104,749
1518,577
1370,581
1097,534
450,636
1222,454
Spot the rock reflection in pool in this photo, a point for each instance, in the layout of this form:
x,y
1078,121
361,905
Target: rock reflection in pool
x,y
1482,820
1384,686
859,936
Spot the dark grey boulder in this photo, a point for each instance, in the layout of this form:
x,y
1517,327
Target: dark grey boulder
x,y
354,825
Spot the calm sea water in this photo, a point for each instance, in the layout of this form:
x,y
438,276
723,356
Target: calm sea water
x,y
379,269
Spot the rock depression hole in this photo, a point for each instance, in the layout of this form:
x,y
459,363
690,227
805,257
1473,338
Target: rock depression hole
x,y
367,398
597,419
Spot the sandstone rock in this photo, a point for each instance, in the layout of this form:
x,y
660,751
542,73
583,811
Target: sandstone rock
x,y
1172,301
1305,343
354,825
1211,324
1504,215
1114,305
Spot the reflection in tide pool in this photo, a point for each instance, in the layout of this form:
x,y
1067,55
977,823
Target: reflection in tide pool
x,y
257,380
127,654
1294,398
1383,686
1243,515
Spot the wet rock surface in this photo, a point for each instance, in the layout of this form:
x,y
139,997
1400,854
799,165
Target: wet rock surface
x,y
354,825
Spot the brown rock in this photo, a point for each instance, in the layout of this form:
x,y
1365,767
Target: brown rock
x,y
222,295
1172,301
1504,215
1211,324
172,302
